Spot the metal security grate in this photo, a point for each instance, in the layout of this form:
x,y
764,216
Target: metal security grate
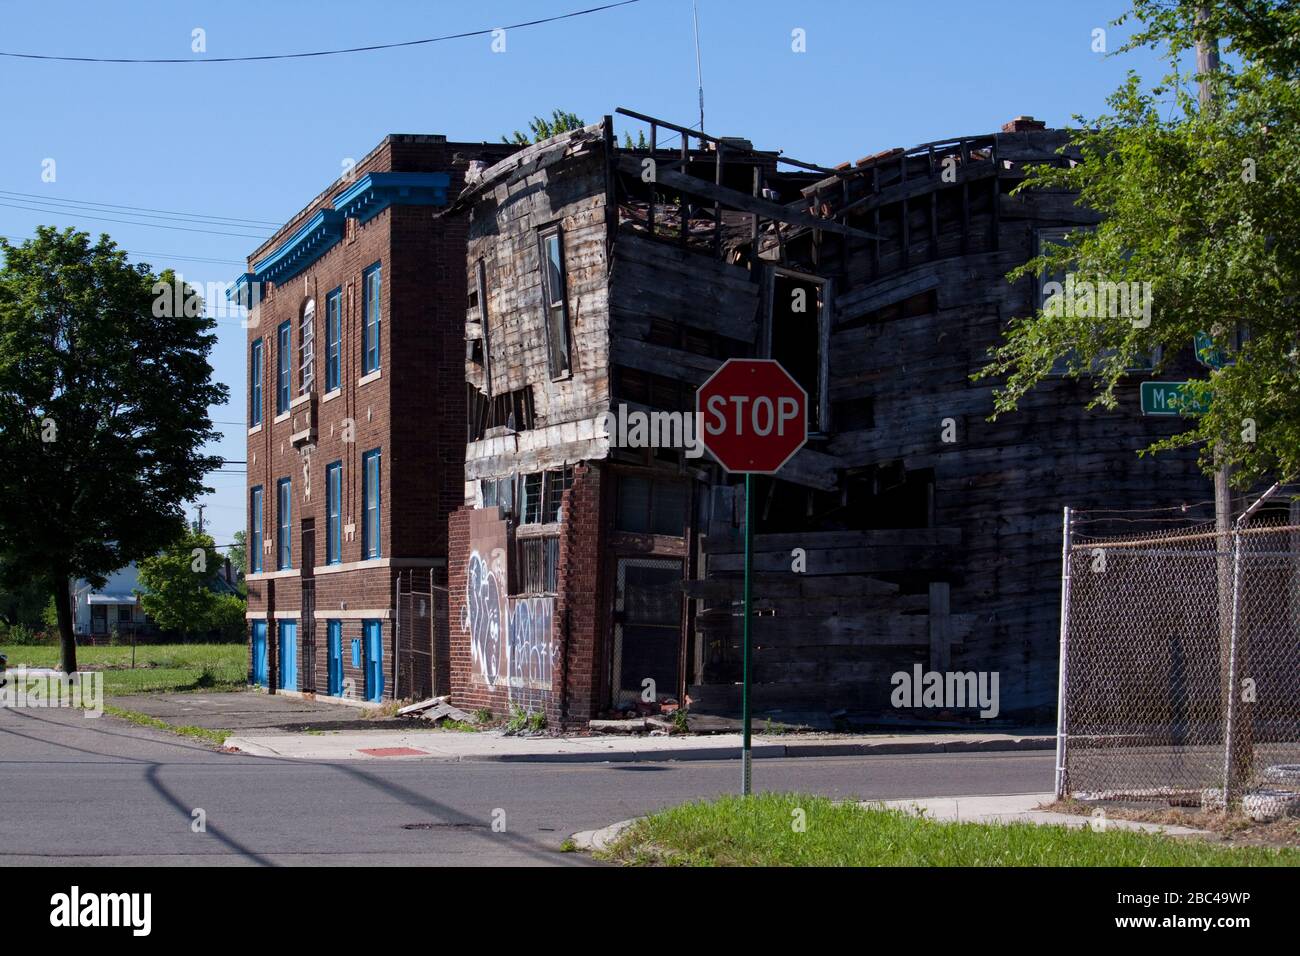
x,y
1180,672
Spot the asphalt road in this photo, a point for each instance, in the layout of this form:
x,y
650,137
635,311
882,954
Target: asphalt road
x,y
104,792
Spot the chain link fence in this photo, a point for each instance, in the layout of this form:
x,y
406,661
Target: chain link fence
x,y
1180,676
421,619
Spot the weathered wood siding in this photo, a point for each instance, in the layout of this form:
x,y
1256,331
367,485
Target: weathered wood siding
x,y
998,488
504,232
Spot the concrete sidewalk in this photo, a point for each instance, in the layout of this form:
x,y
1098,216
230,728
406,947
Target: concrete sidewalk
x,y
1020,808
495,746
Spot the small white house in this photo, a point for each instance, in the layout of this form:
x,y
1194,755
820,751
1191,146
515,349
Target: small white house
x,y
97,611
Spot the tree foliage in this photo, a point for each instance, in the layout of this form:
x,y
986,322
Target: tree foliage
x,y
238,551
1204,204
540,128
179,587
104,393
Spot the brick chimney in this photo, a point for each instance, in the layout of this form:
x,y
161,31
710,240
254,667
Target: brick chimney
x,y
1023,124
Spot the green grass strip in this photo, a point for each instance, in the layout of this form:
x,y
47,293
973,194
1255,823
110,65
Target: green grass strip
x,y
790,829
217,737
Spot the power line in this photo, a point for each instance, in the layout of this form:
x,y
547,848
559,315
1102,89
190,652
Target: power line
x,y
130,222
313,53
142,210
159,255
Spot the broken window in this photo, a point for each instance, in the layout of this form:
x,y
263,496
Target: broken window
x,y
556,482
530,508
555,303
796,334
482,351
499,493
542,493
511,410
651,506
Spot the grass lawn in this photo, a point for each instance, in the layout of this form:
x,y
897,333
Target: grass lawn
x,y
760,831
158,667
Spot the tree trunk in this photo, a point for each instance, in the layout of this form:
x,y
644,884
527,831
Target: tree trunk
x,y
67,640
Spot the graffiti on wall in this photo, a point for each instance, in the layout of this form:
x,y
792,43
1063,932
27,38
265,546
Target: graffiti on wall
x,y
511,641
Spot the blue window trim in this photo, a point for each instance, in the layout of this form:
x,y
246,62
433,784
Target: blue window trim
x,y
257,527
370,357
256,370
283,367
334,513
284,524
371,533
333,339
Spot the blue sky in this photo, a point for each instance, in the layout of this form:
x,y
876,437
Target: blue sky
x,y
257,141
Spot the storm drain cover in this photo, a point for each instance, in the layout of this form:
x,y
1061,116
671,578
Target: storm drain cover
x,y
393,751
444,826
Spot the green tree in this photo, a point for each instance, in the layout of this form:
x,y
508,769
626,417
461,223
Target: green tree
x,y
22,599
1203,204
178,586
238,552
104,391
541,128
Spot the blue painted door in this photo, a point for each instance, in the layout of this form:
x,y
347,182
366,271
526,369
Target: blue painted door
x,y
374,661
259,652
336,658
288,655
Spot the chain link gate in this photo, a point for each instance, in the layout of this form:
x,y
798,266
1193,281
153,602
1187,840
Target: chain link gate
x,y
1180,660
307,672
416,625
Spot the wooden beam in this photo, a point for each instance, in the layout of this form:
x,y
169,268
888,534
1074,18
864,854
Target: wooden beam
x,y
738,200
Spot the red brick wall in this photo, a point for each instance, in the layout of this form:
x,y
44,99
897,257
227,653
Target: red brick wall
x,y
582,608
580,620
414,412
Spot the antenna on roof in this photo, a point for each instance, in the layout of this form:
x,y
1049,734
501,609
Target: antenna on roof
x,y
699,72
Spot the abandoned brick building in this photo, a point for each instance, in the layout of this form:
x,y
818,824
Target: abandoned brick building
x,y
355,420
587,577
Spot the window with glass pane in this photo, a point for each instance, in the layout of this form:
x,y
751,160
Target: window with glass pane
x,y
553,296
282,369
255,384
370,495
283,514
307,348
333,513
255,529
333,339
371,283
647,506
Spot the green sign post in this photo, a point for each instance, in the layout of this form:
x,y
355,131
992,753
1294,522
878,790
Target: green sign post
x,y
1170,398
755,417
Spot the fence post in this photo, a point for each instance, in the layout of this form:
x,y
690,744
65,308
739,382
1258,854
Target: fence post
x,y
1063,675
397,637
1230,781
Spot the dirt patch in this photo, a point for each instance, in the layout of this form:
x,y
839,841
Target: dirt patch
x,y
1231,830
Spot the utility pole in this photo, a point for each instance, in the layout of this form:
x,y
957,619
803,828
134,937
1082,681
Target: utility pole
x,y
200,507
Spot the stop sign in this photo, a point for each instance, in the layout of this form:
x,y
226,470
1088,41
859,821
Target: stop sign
x,y
754,415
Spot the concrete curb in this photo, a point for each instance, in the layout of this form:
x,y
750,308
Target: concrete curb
x,y
760,750
589,840
775,751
